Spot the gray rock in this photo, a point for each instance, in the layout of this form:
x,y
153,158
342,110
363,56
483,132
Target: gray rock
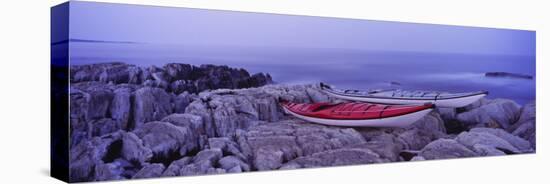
x,y
385,145
210,155
447,113
150,171
133,148
98,103
104,126
521,144
525,127
445,149
165,139
178,71
499,113
192,122
121,106
110,171
338,157
233,164
484,150
227,146
86,155
181,86
470,139
151,104
416,139
175,167
270,144
268,159
418,158
182,101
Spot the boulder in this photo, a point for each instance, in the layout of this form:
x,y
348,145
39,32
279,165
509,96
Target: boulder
x,y
521,144
445,149
499,113
472,138
525,127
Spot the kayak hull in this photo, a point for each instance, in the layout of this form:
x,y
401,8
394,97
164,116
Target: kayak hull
x,y
448,100
395,121
449,103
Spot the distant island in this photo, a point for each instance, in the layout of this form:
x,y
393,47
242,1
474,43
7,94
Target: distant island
x,y
92,41
508,75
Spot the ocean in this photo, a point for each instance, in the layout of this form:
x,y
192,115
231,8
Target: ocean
x,y
344,68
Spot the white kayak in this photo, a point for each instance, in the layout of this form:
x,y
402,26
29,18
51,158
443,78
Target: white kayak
x,y
440,99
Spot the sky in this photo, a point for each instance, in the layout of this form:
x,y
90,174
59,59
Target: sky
x,y
165,25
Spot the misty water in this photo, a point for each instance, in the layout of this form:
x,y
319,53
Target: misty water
x,y
344,68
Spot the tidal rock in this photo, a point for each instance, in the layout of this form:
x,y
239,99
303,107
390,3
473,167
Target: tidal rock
x,y
499,113
444,149
338,157
150,171
151,104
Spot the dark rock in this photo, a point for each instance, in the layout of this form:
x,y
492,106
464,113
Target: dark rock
x,y
508,75
178,71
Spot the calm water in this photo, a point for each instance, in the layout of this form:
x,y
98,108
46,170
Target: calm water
x,y
344,68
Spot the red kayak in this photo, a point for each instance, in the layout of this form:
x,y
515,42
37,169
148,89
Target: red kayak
x,y
358,113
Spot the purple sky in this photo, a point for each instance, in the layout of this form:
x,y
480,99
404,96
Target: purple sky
x,y
150,24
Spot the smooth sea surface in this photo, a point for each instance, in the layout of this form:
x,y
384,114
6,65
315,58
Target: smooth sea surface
x,y
344,68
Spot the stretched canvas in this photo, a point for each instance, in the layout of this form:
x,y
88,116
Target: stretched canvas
x,y
148,91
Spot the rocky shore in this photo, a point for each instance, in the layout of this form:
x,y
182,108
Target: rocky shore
x,y
178,120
